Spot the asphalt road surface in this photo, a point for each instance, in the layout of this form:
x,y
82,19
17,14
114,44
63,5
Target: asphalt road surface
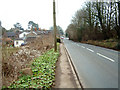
x,y
97,67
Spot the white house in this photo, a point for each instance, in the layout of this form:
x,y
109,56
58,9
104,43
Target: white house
x,y
18,42
23,35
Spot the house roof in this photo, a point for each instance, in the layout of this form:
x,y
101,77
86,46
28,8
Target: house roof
x,y
6,39
18,39
10,34
31,35
43,32
25,33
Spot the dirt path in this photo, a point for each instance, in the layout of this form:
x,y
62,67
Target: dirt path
x,y
64,74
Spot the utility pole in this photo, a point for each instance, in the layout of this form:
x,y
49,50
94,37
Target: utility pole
x,y
54,23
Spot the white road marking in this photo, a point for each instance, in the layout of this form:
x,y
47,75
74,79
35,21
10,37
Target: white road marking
x,y
105,57
90,50
78,45
82,46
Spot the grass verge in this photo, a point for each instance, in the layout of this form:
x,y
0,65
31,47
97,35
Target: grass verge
x,y
110,43
43,69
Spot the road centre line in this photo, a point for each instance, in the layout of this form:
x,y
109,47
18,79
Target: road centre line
x,y
78,45
82,46
90,50
105,57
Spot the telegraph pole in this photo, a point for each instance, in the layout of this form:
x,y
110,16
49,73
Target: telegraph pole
x,y
54,23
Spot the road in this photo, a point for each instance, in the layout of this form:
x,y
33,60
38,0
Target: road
x,y
97,67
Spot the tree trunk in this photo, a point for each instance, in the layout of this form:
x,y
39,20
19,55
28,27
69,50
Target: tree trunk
x,y
119,21
100,19
90,14
116,15
119,12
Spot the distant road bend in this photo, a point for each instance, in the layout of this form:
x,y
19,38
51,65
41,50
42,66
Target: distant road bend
x,y
97,67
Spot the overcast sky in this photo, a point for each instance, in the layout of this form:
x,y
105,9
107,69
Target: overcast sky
x,y
39,11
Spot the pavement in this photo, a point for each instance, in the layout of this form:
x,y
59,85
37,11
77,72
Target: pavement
x,y
65,75
97,67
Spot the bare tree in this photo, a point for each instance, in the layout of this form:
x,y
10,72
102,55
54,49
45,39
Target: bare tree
x,y
96,20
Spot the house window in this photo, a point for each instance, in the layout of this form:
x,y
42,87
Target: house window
x,y
16,42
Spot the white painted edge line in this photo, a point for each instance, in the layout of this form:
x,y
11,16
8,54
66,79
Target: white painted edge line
x,y
90,50
76,79
82,46
77,74
105,57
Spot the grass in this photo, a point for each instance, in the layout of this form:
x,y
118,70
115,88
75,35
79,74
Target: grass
x,y
7,51
43,69
110,43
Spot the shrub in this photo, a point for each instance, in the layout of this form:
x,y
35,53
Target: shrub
x,y
43,69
